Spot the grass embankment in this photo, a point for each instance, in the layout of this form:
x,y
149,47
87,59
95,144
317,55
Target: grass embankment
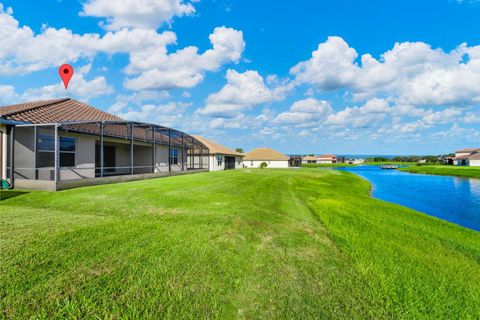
x,y
240,244
326,165
444,170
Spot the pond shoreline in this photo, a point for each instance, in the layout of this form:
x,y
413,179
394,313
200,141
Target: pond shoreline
x,y
453,199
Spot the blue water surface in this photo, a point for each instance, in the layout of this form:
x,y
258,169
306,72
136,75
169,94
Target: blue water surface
x,y
449,198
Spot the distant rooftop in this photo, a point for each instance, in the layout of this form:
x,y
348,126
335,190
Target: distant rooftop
x,y
326,156
265,154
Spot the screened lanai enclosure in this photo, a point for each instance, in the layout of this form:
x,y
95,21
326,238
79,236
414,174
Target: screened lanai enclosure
x,y
69,154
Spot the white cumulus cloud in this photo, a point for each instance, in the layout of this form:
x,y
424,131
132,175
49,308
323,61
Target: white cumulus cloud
x,y
308,112
146,14
184,68
243,91
410,73
373,112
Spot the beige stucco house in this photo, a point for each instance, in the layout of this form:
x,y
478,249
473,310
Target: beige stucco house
x,y
309,159
220,157
273,158
467,157
327,158
63,143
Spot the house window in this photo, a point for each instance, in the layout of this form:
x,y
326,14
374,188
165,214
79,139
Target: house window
x,y
67,152
46,151
251,163
173,156
219,160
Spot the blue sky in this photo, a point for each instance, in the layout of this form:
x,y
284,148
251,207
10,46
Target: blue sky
x,y
345,77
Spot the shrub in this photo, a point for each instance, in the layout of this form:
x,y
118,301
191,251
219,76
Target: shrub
x,y
263,165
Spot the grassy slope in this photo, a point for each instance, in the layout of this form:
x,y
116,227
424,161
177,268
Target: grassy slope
x,y
244,244
470,172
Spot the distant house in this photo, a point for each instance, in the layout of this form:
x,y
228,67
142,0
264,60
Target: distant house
x,y
274,159
467,157
221,157
326,158
309,159
355,161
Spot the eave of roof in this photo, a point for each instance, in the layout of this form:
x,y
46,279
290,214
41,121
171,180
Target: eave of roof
x,y
10,122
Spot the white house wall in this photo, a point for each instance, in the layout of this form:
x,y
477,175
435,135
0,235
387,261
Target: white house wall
x,y
475,163
324,161
213,163
270,164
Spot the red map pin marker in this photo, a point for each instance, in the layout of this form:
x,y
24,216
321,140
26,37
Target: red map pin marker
x,y
66,73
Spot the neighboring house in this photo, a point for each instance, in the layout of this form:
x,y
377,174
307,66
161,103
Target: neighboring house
x,y
309,159
63,143
355,161
221,157
467,157
326,158
274,159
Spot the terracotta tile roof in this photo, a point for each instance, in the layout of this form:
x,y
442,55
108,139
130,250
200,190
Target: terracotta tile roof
x,y
461,157
475,156
265,154
468,150
216,148
66,109
57,110
472,156
14,108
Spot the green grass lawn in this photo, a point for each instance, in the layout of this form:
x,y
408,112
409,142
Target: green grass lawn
x,y
444,170
303,244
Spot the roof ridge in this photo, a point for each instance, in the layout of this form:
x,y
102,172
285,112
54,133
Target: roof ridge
x,y
46,104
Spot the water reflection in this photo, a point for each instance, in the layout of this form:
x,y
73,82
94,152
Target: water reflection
x,y
450,198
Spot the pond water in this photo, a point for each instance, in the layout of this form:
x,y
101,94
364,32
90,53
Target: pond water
x,y
449,198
